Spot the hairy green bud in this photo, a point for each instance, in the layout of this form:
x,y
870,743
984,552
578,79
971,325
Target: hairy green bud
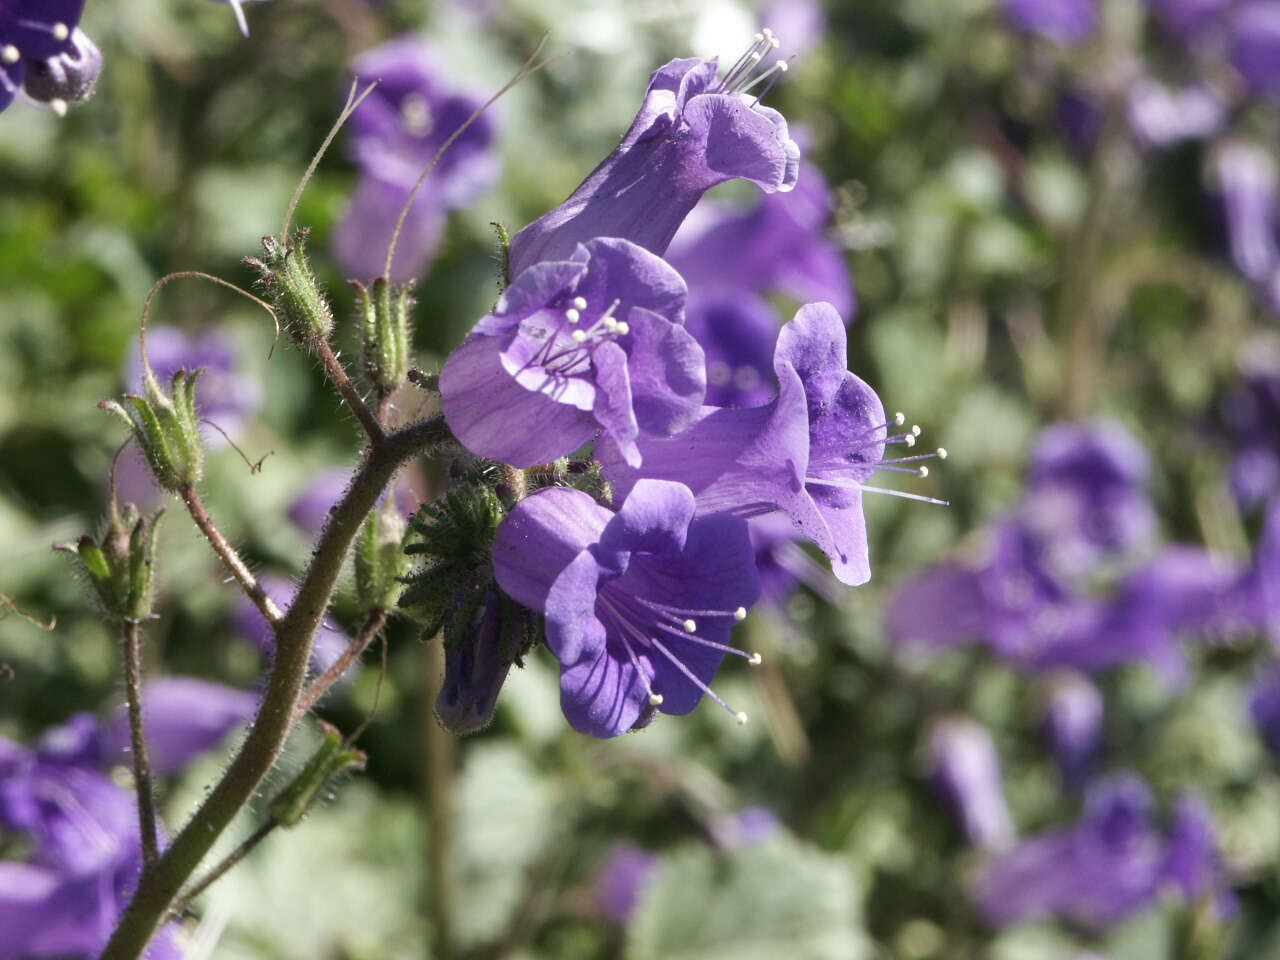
x,y
380,559
166,428
121,566
385,333
301,304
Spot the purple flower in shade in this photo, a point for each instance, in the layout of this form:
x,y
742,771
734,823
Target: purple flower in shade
x,y
778,245
1160,116
310,511
1251,414
1086,497
621,879
395,133
329,642
225,395
639,604
1255,44
184,716
1188,17
808,453
1065,22
66,78
574,347
239,12
1264,706
695,129
965,770
737,331
1073,714
1191,861
1246,175
476,667
33,31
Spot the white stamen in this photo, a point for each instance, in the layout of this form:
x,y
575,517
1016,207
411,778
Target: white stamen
x,y
904,495
691,626
572,315
61,31
759,38
755,660
655,699
942,453
899,418
579,336
240,19
610,324
924,472
909,439
580,302
740,614
741,718
58,106
915,429
623,328
10,53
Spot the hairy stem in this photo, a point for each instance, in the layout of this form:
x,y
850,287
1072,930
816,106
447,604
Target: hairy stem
x,y
132,649
244,576
437,790
338,374
216,873
320,686
159,885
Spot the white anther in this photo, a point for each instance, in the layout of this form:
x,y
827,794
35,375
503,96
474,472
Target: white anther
x,y
915,429
899,418
58,106
741,718
757,57
690,626
61,31
655,699
572,315
10,53
579,336
766,33
740,614
623,328
775,43
942,453
909,440
755,660
610,324
759,38
580,302
924,472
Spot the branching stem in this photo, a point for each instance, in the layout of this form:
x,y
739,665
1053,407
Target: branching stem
x,y
320,686
338,374
244,576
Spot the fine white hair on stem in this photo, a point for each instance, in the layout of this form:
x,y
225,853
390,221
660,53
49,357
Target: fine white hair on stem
x,y
528,69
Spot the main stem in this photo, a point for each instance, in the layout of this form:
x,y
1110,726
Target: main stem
x,y
132,650
158,886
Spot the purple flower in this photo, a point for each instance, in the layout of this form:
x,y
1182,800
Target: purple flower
x,y
1264,706
476,667
184,716
639,604
783,565
1188,17
694,130
1255,44
1247,176
395,133
808,453
239,12
329,642
66,78
1251,412
1065,22
225,395
748,827
1160,117
1073,714
1261,585
778,245
965,770
33,31
621,879
575,347
798,24
1191,861
737,331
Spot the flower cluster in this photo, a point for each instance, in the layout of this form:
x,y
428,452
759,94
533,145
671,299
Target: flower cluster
x,y
589,343
44,54
81,827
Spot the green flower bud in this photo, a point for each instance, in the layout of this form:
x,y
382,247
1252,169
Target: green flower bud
x,y
166,429
121,567
331,760
380,559
301,304
385,333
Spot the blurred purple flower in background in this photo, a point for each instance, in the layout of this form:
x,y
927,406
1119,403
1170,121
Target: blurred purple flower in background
x,y
737,331
621,879
1264,707
1255,44
1161,116
1251,413
965,770
747,827
694,130
1073,714
799,25
1065,22
394,134
1246,175
329,644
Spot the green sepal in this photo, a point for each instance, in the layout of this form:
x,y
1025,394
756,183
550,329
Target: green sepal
x,y
166,429
380,558
386,333
332,759
121,566
301,304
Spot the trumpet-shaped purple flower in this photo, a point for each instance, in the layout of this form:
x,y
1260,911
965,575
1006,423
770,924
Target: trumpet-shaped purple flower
x,y
778,245
1065,22
395,133
694,130
809,453
33,31
574,347
639,604
965,770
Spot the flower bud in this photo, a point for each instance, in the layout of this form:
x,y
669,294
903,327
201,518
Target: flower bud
x,y
301,304
121,566
331,760
68,77
385,333
480,645
380,559
166,428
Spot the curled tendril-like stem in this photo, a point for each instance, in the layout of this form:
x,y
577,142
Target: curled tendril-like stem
x,y
254,466
200,274
7,605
